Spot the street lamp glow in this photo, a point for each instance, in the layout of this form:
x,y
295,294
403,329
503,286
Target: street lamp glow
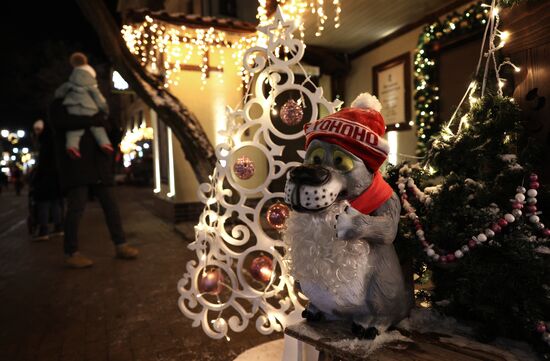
x,y
5,133
119,82
20,133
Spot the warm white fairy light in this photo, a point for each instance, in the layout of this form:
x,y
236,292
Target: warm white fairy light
x,y
296,10
165,49
496,40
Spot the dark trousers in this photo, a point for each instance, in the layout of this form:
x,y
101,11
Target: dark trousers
x,y
49,211
76,202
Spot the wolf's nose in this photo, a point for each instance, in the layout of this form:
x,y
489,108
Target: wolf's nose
x,y
309,175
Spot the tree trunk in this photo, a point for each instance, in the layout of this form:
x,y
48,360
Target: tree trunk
x,y
197,148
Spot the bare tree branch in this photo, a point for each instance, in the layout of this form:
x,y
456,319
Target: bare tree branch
x,y
195,144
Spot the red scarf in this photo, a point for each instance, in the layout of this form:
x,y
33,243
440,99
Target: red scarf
x,y
374,196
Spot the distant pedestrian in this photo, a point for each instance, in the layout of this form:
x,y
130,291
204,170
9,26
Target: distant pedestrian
x,y
81,96
44,188
3,181
94,170
16,175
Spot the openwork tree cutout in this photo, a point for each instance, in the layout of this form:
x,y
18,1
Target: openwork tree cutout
x,y
239,273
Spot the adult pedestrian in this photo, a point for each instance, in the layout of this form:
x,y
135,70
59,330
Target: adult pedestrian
x,y
93,170
44,188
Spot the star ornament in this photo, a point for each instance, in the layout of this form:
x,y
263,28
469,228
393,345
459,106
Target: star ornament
x,y
279,31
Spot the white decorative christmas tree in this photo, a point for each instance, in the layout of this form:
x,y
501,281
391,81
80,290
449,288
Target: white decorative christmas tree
x,y
239,273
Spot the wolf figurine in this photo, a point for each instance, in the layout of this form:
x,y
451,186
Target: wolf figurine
x,y
345,218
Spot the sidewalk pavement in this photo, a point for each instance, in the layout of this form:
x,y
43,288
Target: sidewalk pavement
x,y
117,310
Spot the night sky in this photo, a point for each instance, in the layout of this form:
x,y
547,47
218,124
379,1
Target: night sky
x,y
38,37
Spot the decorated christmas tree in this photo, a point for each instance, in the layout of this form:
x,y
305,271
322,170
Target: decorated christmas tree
x,y
473,214
239,273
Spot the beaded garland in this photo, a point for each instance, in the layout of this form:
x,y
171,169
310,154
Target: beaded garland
x,y
524,201
544,329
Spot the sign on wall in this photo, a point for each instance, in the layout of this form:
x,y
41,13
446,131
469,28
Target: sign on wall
x,y
391,84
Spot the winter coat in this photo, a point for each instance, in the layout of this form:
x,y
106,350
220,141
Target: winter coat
x,y
44,180
95,166
81,94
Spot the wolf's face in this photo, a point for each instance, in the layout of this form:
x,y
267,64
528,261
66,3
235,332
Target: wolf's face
x,y
329,174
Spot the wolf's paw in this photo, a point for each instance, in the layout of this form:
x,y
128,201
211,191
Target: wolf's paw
x,y
364,333
312,315
346,225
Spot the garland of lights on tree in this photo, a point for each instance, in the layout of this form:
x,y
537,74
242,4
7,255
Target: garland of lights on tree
x,y
475,224
239,273
426,96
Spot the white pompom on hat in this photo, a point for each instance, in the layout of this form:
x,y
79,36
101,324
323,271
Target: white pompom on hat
x,y
367,101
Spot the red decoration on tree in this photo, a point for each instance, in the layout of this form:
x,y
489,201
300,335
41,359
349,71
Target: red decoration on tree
x,y
291,112
244,168
261,268
277,214
211,282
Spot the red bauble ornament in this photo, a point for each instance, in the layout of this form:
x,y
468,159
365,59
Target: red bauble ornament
x,y
277,214
472,243
261,268
450,257
546,232
534,185
211,282
502,222
244,168
533,177
291,112
531,209
496,228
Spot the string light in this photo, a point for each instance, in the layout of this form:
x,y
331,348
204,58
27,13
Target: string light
x,y
425,70
296,10
165,49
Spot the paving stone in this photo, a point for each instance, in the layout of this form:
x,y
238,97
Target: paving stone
x,y
116,310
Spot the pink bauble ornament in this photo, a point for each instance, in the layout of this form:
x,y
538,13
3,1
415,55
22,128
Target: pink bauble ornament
x,y
277,214
451,257
541,327
443,259
472,243
211,282
531,209
502,222
291,112
496,228
546,232
533,177
261,268
244,168
534,185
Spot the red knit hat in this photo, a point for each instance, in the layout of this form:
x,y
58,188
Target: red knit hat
x,y
358,129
